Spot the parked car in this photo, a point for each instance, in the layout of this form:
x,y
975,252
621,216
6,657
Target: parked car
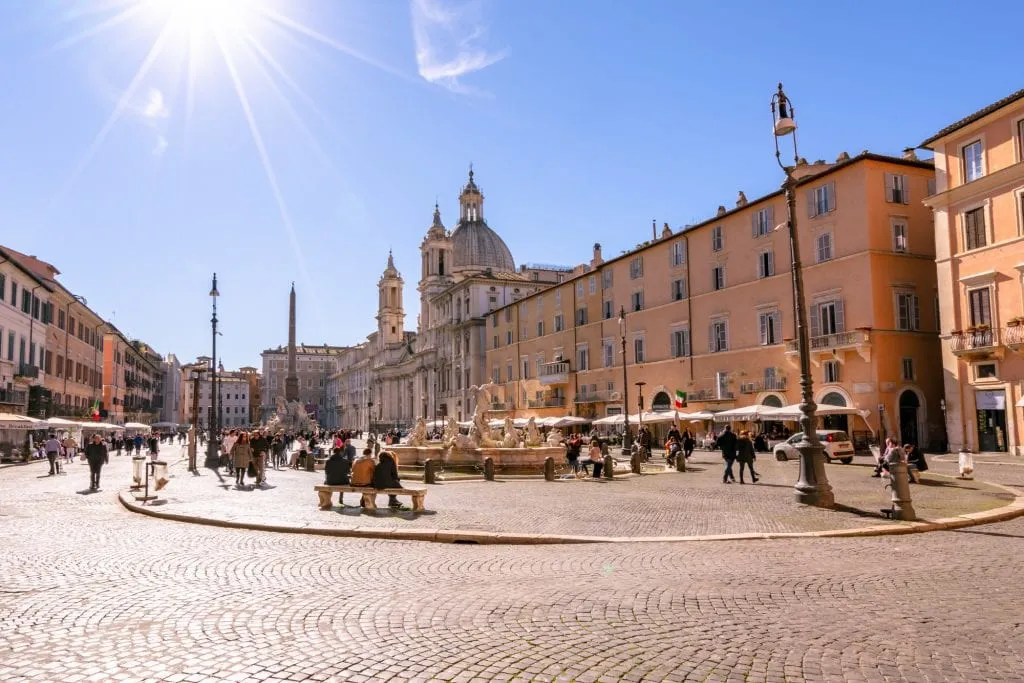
x,y
837,446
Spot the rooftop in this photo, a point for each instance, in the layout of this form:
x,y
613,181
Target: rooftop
x,y
967,120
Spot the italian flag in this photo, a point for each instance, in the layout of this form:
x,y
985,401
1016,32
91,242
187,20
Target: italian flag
x,y
680,400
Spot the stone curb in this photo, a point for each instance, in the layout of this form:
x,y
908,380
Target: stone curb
x,y
23,464
1001,514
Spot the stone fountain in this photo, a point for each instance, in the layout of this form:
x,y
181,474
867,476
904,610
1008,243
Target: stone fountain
x,y
509,448
289,417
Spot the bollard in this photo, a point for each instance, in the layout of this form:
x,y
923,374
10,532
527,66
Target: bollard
x,y
429,471
549,469
902,508
609,467
634,462
310,462
488,469
680,462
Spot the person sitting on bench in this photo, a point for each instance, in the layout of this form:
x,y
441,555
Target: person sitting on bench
x,y
362,470
336,473
915,462
385,476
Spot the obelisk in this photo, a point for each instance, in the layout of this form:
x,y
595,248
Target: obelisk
x,y
291,382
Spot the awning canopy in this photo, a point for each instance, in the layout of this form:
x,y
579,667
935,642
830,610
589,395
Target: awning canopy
x,y
100,426
752,413
63,422
699,416
12,421
792,412
138,426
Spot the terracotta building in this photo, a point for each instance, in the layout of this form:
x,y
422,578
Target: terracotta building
x,y
979,234
128,379
709,311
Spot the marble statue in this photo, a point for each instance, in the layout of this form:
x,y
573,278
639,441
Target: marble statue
x,y
555,437
418,435
511,437
451,431
533,437
480,432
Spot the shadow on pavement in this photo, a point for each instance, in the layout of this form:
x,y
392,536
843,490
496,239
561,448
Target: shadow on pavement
x,y
88,492
987,533
944,484
857,511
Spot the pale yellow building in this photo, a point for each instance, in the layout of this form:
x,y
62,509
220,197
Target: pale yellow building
x,y
979,236
709,310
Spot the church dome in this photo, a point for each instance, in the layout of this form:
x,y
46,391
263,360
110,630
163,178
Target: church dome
x,y
476,247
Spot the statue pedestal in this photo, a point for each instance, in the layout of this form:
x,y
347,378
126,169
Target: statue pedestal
x,y
520,459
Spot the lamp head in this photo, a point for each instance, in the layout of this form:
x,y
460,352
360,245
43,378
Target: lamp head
x,y
622,315
784,123
213,290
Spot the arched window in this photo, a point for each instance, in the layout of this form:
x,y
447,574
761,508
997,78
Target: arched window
x,y
772,401
661,402
834,399
440,263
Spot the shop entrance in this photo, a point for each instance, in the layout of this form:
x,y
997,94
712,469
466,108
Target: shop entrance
x,y
909,407
991,420
840,422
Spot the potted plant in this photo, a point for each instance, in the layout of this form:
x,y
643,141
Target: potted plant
x,y
1015,322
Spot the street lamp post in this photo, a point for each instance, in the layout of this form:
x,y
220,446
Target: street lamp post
x,y
640,406
194,432
369,417
812,488
213,451
627,439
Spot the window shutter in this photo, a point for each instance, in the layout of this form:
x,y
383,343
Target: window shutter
x,y
890,182
917,313
770,217
816,320
771,263
753,223
812,206
762,320
673,342
840,316
831,196
711,338
906,190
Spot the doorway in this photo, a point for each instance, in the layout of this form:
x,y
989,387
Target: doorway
x,y
840,422
910,406
991,418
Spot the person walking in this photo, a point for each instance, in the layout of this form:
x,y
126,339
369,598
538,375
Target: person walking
x,y
241,457
137,442
97,455
727,443
52,448
260,446
689,442
595,456
572,453
745,455
154,446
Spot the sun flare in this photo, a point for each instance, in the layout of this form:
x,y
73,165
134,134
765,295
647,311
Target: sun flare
x,y
204,15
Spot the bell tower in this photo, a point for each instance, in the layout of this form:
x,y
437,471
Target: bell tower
x,y
436,253
471,202
390,314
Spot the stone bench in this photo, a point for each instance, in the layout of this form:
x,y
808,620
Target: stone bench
x,y
370,495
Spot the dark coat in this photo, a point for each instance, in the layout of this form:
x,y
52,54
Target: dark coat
x,y
727,443
96,453
916,458
745,450
350,453
337,470
259,445
385,474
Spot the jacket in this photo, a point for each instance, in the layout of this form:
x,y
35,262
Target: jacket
x,y
727,442
337,470
95,452
385,474
362,472
259,445
745,450
241,453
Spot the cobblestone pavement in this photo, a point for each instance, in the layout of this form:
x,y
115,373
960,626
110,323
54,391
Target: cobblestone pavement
x,y
92,592
668,504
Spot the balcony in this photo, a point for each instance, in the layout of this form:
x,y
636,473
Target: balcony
x,y
979,343
777,384
498,406
28,371
1013,337
710,395
598,397
13,398
549,402
554,373
834,346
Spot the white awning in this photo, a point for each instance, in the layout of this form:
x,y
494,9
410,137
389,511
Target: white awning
x,y
754,413
12,421
792,412
137,426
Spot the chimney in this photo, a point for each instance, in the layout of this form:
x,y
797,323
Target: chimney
x,y
598,259
909,154
654,230
721,210
741,199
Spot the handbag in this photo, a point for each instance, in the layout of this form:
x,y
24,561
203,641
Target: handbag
x,y
251,470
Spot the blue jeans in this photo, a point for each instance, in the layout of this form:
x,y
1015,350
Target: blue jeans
x,y
728,475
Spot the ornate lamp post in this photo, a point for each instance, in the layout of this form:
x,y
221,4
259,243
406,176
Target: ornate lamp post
x,y
213,451
640,405
812,488
627,438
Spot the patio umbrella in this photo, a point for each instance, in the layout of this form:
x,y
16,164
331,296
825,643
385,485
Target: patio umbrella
x,y
11,421
754,413
137,425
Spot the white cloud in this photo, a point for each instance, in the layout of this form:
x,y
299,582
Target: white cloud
x,y
448,40
155,107
160,147
153,112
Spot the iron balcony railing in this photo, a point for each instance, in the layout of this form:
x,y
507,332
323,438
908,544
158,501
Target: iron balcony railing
x,y
975,340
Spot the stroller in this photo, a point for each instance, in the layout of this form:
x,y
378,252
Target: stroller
x,y
674,451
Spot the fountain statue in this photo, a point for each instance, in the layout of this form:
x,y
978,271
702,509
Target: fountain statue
x,y
290,417
418,436
555,437
533,437
511,437
480,432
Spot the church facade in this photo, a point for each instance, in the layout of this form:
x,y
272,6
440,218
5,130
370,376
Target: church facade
x,y
397,375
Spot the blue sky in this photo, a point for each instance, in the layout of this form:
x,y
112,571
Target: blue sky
x,y
584,120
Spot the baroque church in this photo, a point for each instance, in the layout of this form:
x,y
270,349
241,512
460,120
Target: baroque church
x,y
397,375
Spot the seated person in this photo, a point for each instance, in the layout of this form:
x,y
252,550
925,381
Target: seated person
x,y
915,461
385,476
761,443
362,469
336,473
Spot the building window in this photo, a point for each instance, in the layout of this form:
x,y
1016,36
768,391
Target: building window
x,y
718,277
636,267
540,303
558,297
981,307
524,334
679,343
508,372
831,368
678,290
896,189
899,237
606,278
637,300
60,314
717,238
608,352
972,166
559,322
827,317
593,284
985,371
579,289
908,369
581,316
821,200
540,362
908,314
606,309
496,374
975,235
770,325
582,358
721,384
718,336
508,337
1020,146
638,350
824,247
508,315
761,222
495,342
540,328
677,254
525,362
766,264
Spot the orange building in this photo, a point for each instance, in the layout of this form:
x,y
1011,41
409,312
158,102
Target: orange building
x,y
709,310
979,235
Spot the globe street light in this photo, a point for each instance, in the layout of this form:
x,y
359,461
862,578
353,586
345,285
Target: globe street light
x,y
627,439
812,488
213,451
